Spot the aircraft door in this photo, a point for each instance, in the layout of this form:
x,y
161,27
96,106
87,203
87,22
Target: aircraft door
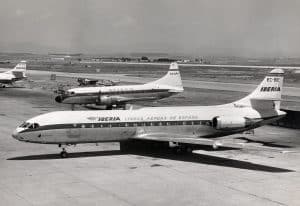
x,y
76,133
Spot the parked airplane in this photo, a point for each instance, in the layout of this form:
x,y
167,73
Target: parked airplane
x,y
16,74
182,125
118,96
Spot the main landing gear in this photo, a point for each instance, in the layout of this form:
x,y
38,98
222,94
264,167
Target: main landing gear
x,y
63,153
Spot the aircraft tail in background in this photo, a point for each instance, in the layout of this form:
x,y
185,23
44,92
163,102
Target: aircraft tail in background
x,y
172,78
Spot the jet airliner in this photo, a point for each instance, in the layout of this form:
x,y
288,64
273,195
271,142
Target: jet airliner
x,y
182,125
16,74
119,96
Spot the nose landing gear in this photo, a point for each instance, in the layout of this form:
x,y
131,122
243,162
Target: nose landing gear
x,y
63,153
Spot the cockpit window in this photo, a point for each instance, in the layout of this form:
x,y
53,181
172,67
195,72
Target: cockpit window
x,y
25,124
29,125
70,92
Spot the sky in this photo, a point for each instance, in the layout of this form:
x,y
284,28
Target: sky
x,y
246,28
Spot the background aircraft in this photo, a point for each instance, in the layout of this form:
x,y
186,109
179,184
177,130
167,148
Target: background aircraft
x,y
183,126
119,96
16,74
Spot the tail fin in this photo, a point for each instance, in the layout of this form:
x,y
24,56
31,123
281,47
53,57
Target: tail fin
x,y
19,70
172,78
267,94
21,66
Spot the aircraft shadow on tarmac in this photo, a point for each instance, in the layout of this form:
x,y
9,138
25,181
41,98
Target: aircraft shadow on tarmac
x,y
217,161
189,157
14,87
70,155
268,144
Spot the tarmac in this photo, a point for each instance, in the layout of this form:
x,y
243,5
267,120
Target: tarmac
x,y
34,174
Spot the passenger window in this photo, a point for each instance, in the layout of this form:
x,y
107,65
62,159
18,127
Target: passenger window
x,y
180,123
156,123
23,124
197,122
189,123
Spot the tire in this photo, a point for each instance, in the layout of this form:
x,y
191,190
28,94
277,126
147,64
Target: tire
x,y
63,154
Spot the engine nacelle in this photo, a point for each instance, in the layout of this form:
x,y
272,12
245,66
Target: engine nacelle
x,y
230,123
107,100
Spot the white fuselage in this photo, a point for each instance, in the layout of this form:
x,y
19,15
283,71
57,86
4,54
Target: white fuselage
x,y
116,94
73,127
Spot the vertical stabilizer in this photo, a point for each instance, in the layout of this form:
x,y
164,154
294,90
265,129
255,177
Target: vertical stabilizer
x,y
19,71
172,78
21,66
269,90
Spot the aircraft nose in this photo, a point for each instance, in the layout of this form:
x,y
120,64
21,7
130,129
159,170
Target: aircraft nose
x,y
16,135
59,99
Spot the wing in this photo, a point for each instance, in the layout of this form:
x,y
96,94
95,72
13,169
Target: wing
x,y
122,100
215,143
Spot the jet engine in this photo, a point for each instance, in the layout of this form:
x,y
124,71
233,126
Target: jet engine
x,y
229,123
107,100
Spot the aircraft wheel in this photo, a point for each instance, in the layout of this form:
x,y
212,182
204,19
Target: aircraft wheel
x,y
63,154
